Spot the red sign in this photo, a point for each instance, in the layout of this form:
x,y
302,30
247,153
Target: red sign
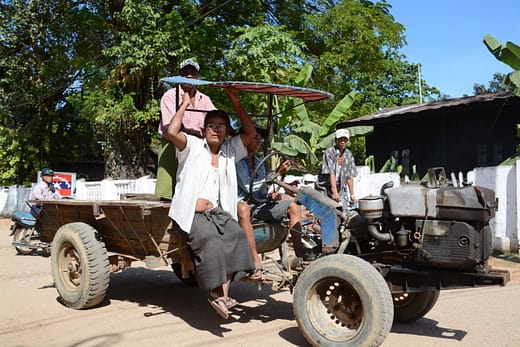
x,y
64,182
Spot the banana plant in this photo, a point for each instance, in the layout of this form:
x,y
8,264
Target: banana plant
x,y
508,53
297,135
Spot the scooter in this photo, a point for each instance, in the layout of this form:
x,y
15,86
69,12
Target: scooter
x,y
26,237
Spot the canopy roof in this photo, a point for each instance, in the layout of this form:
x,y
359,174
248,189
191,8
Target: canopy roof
x,y
306,94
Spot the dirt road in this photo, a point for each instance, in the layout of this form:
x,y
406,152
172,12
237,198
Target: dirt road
x,y
153,308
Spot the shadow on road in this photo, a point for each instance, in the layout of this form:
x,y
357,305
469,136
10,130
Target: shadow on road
x,y
428,327
163,293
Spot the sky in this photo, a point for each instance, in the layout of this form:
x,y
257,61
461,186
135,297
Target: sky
x,y
445,37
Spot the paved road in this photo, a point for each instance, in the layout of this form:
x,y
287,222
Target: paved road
x,y
153,308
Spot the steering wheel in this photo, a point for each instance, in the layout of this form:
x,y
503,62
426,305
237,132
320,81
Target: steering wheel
x,y
269,177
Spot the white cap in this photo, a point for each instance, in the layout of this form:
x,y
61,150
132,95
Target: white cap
x,y
189,62
342,133
290,179
309,178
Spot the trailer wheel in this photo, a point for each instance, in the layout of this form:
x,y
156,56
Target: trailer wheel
x,y
80,266
341,300
25,235
412,306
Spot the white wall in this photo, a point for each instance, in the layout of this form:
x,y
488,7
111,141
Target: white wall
x,y
366,183
504,181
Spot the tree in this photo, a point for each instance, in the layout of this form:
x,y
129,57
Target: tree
x,y
73,73
44,46
124,108
494,86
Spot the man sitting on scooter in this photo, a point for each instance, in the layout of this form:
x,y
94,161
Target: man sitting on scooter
x,y
275,209
45,188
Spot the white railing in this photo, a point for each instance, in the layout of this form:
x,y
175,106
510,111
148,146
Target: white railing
x,y
13,198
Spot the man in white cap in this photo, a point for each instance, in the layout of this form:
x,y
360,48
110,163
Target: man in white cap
x,y
192,123
339,169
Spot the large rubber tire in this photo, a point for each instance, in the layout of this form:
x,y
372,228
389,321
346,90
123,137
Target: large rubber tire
x,y
341,300
412,306
190,281
80,266
24,234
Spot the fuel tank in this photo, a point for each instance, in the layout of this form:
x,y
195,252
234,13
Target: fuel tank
x,y
269,237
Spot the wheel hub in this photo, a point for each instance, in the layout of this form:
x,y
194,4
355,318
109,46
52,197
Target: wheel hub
x,y
344,305
71,266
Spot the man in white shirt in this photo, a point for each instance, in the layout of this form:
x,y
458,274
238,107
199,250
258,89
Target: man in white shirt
x,y
204,202
45,189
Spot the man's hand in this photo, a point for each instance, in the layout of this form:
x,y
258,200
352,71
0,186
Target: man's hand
x,y
283,168
274,196
186,99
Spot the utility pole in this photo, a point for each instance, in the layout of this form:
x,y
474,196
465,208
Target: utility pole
x,y
420,85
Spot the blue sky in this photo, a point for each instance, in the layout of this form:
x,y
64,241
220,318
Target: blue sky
x,y
445,37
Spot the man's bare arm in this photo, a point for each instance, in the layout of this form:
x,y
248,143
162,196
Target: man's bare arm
x,y
248,132
174,133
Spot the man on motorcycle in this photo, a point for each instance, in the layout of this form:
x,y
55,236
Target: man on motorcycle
x,y
45,188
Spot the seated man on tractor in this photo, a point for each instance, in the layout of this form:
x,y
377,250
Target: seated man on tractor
x,y
275,209
204,202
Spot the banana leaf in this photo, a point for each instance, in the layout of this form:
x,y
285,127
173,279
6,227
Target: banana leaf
x,y
508,53
339,112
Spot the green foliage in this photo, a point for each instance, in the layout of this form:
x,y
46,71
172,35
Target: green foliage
x,y
508,53
415,174
74,73
390,165
263,53
370,161
300,135
44,48
497,84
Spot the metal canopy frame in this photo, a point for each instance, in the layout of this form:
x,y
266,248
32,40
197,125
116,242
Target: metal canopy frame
x,y
305,94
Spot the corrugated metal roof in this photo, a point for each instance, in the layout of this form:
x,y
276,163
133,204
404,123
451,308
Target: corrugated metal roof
x,y
417,110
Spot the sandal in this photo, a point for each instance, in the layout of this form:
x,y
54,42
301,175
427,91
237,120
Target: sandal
x,y
220,306
230,302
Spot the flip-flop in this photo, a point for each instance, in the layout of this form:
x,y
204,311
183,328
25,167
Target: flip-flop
x,y
220,306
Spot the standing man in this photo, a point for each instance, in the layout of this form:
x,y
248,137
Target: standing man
x,y
340,168
192,124
204,204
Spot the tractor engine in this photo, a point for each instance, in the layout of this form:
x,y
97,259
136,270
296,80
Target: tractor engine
x,y
445,227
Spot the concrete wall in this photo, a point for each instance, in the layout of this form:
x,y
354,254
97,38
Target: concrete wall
x,y
504,181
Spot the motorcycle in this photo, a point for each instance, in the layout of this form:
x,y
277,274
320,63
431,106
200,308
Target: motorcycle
x,y
26,236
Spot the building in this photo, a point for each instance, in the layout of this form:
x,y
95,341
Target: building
x,y
457,134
